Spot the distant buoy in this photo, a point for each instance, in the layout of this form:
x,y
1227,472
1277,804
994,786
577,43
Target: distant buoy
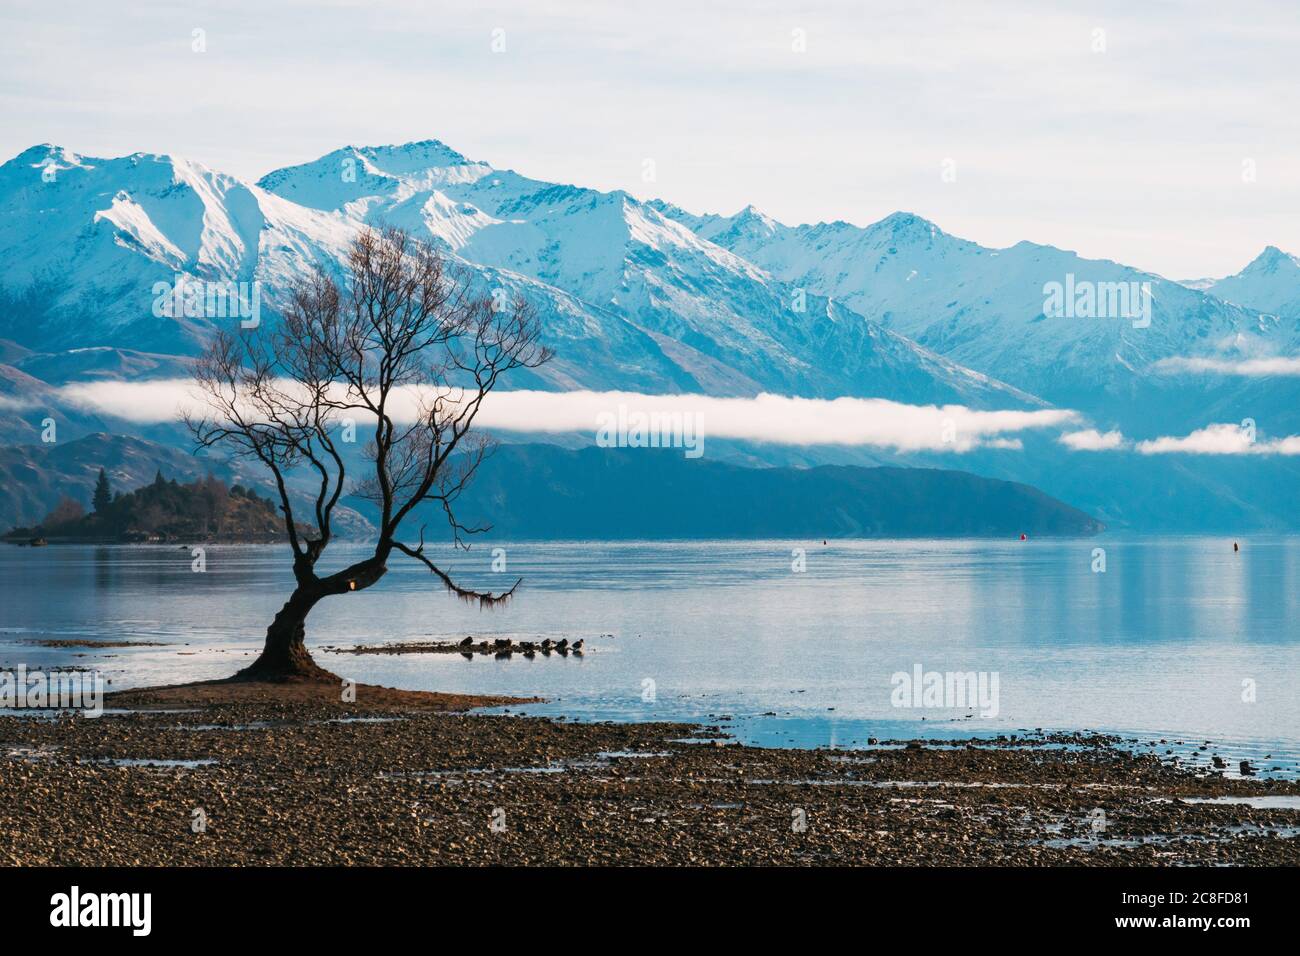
x,y
1023,536
1235,546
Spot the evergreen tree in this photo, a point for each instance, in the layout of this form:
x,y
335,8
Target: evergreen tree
x,y
103,493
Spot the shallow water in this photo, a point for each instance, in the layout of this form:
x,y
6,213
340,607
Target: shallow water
x,y
1160,645
1270,802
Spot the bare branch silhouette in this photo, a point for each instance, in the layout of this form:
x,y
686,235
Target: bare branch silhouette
x,y
403,347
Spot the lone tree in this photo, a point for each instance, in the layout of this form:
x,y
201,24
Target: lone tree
x,y
401,346
103,496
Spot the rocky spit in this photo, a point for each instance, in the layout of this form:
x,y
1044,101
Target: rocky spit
x,y
501,647
315,782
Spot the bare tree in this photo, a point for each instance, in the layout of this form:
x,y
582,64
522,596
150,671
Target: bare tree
x,y
399,343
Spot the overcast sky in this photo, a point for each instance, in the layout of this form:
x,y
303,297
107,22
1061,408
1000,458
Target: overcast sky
x,y
1133,143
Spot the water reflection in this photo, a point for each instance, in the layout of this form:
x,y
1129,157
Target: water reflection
x,y
1160,641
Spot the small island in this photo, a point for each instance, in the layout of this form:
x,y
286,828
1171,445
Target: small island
x,y
163,511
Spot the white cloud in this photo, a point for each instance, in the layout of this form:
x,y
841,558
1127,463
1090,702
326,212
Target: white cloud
x,y
789,421
766,418
151,402
1222,439
1089,439
1276,365
17,404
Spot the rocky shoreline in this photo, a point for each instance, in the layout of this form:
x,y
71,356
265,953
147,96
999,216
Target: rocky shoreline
x,y
266,777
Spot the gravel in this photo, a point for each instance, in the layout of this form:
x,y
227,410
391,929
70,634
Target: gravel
x,y
266,782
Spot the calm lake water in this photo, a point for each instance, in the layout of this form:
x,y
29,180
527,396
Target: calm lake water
x,y
1159,645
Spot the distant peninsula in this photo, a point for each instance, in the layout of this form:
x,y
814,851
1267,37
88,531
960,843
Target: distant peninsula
x,y
537,491
545,492
165,511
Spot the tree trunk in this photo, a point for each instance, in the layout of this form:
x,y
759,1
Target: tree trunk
x,y
284,656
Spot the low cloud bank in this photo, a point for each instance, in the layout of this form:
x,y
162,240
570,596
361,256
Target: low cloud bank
x,y
782,420
1220,440
1251,368
1089,439
766,418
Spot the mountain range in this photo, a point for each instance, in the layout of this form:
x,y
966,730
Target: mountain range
x,y
642,296
630,299
544,492
984,308
1269,284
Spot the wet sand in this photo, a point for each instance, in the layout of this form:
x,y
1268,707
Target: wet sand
x,y
292,775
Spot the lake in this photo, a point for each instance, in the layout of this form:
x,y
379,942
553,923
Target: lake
x,y
1178,638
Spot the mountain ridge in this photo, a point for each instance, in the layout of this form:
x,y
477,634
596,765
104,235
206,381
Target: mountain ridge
x,y
642,296
543,491
628,297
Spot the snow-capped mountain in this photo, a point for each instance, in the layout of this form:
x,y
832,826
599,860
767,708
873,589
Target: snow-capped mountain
x,y
634,295
1269,284
724,321
629,298
643,296
85,240
988,309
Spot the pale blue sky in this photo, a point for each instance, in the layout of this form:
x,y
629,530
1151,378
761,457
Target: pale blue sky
x,y
1135,153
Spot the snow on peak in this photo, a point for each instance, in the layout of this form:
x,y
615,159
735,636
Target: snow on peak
x,y
752,214
1270,283
46,152
407,158
355,179
1271,260
43,161
906,224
